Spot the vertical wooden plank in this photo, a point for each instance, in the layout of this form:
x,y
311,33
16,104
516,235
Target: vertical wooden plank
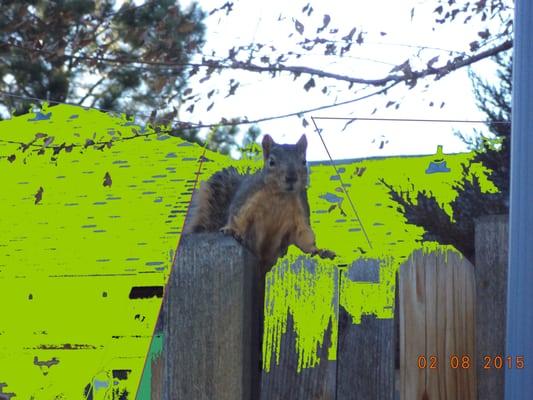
x,y
491,297
463,378
397,338
211,347
432,278
412,327
470,333
283,381
437,293
365,357
449,314
442,295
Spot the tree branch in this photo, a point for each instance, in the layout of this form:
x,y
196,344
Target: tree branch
x,y
407,75
91,89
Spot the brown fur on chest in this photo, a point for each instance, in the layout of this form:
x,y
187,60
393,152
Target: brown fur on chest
x,y
270,221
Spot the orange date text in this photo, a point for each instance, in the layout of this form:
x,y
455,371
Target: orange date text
x,y
465,361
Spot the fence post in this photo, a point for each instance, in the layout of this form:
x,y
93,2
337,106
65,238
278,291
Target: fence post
x,y
365,358
212,321
491,243
437,323
283,381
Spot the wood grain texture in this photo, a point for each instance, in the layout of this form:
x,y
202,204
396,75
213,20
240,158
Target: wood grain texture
x,y
492,235
284,382
437,293
365,356
211,328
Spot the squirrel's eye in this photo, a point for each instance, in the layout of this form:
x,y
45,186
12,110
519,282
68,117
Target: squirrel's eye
x,y
271,162
304,162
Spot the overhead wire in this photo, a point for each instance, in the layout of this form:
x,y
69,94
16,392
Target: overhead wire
x,y
352,205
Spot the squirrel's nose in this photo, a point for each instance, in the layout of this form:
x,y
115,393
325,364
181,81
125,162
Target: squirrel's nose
x,y
291,178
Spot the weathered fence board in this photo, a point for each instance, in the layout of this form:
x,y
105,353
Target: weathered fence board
x,y
211,326
437,327
365,358
492,235
412,311
284,382
211,336
365,355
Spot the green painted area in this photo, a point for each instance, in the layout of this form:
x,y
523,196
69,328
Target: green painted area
x,y
155,352
69,262
307,291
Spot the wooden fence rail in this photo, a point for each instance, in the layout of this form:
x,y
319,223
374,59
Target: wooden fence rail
x,y
450,316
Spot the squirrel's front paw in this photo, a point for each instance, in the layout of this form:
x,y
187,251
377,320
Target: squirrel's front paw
x,y
226,230
325,253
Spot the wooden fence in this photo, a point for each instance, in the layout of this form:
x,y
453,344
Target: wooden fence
x,y
450,317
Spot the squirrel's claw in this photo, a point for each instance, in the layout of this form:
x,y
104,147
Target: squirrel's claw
x,y
226,230
325,253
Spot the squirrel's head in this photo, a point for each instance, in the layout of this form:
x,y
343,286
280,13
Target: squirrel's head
x,y
285,165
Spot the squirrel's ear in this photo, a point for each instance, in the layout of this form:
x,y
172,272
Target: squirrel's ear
x,y
267,145
302,144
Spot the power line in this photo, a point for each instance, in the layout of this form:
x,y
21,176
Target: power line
x,y
232,122
342,183
456,121
414,46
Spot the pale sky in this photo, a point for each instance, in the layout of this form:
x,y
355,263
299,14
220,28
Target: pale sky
x,y
261,95
418,39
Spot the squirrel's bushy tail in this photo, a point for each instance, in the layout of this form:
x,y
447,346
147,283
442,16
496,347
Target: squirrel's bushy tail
x,y
210,206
